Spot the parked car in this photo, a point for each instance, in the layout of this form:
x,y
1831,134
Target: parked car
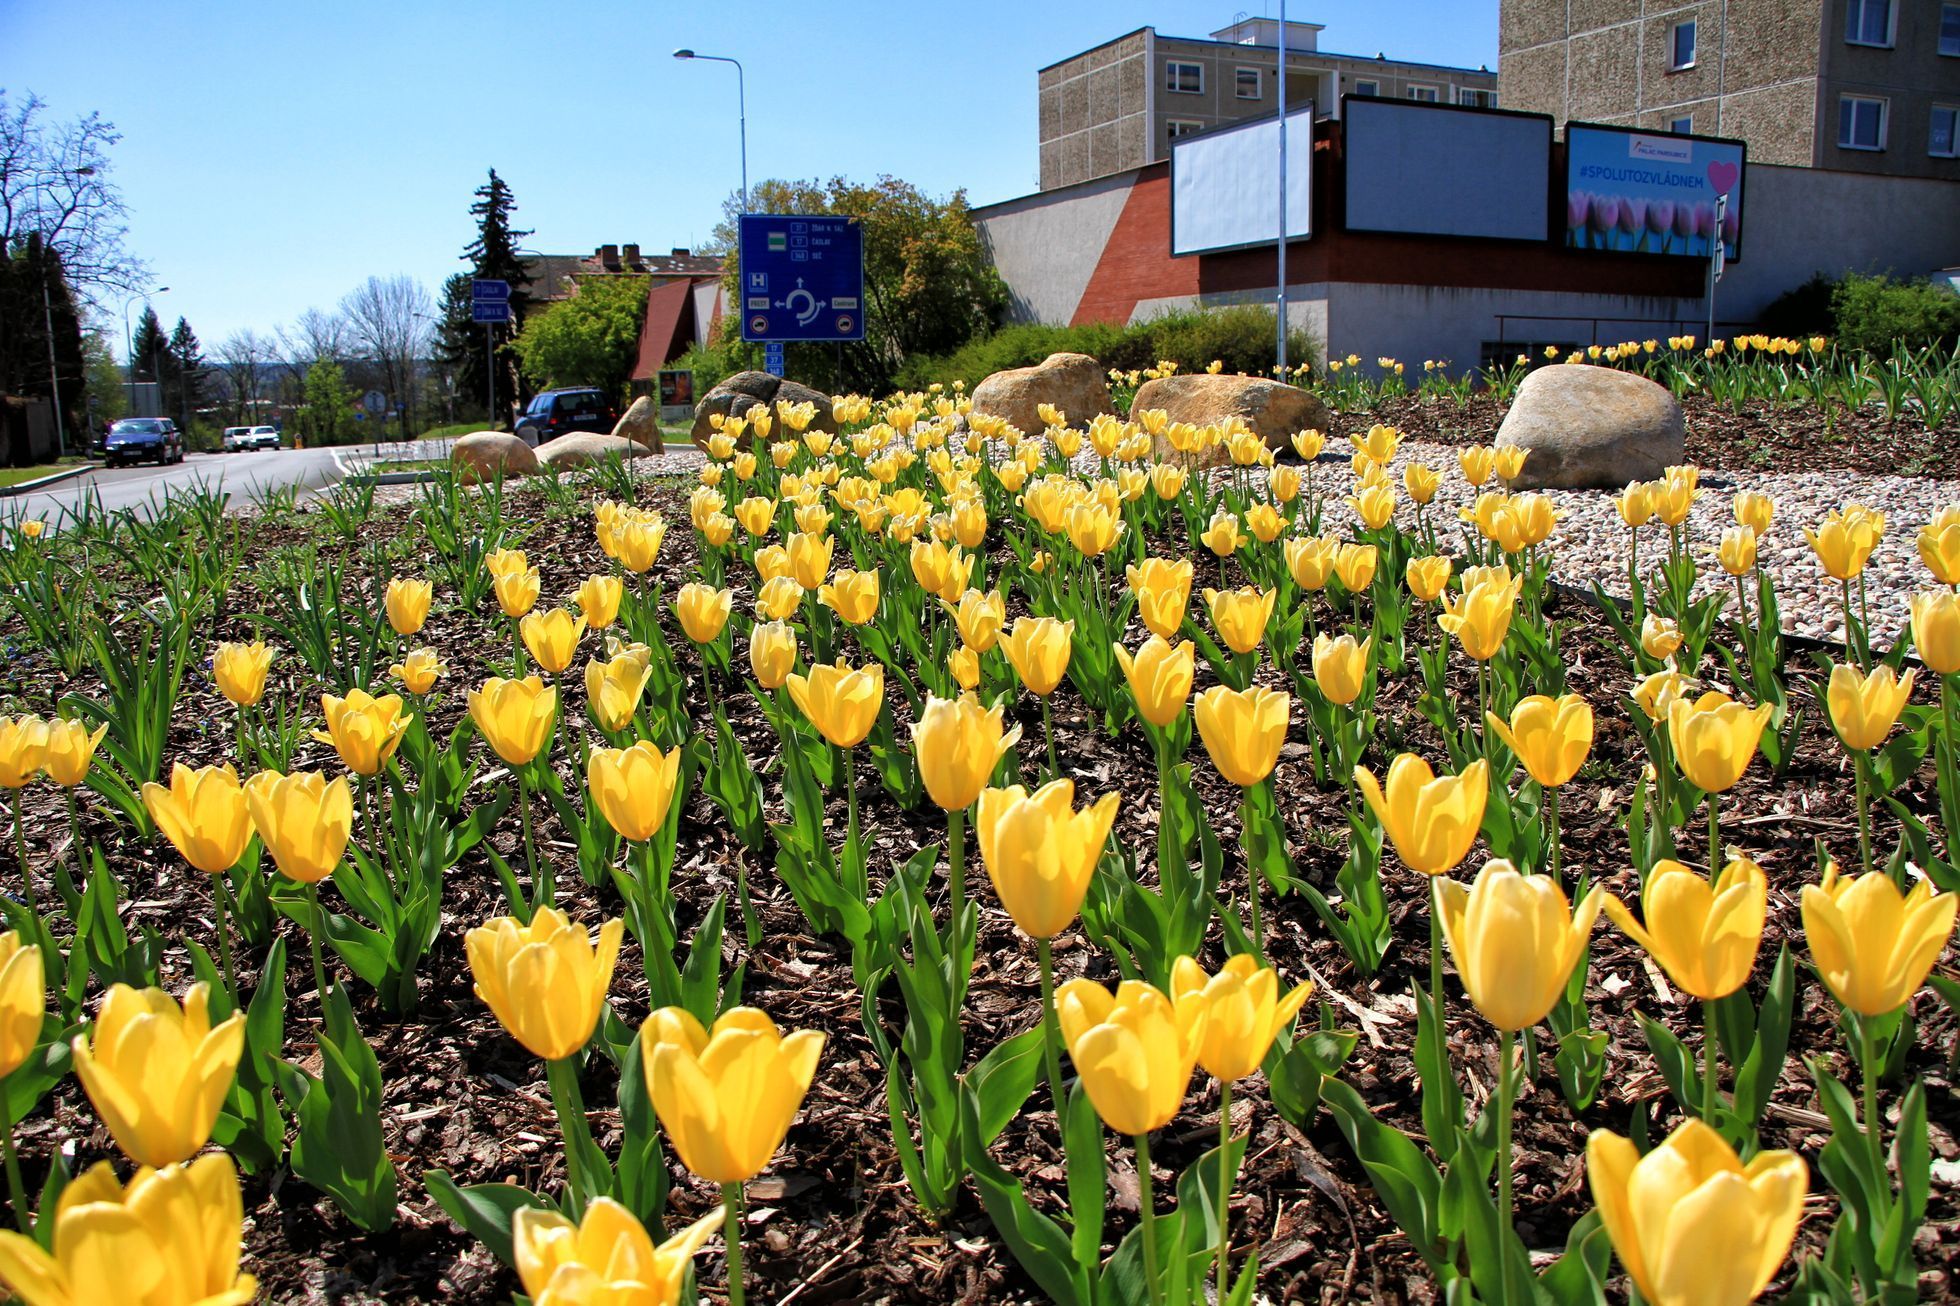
x,y
143,439
557,412
243,439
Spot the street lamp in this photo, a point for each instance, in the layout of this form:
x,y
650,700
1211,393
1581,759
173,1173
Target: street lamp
x,y
741,108
129,348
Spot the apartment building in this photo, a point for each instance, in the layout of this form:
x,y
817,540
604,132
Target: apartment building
x,y
1119,105
1850,85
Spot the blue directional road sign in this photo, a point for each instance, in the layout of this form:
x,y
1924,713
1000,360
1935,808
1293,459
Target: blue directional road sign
x,y
802,277
773,362
482,288
490,310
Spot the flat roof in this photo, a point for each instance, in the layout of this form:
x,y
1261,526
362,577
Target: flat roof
x,y
1291,53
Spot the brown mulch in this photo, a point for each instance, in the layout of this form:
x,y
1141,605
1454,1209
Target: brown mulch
x,y
832,1220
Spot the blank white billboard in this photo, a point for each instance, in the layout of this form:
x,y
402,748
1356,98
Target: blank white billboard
x,y
1225,185
1443,170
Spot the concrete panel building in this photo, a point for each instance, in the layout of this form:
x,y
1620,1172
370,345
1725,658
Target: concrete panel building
x,y
1120,105
1850,85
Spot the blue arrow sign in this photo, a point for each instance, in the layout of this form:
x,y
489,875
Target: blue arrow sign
x,y
802,277
490,310
486,288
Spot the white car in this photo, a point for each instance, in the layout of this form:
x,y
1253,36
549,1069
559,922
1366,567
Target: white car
x,y
245,438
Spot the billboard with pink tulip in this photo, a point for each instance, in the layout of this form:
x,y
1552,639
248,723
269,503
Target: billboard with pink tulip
x,y
1651,192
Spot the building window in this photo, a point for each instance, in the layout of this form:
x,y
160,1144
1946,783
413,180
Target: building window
x,y
1681,126
1940,142
1868,22
1185,78
1367,88
1477,99
1950,30
1684,45
1861,123
1185,127
1426,94
1246,83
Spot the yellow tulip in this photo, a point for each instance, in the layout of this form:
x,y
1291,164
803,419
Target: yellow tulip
x,y
934,566
500,562
1308,444
959,743
726,1097
1514,942
1705,936
1660,637
1938,543
1354,566
852,595
1693,1225
552,638
1754,511
1340,667
514,716
772,561
1428,576
1714,737
1873,945
23,1002
1240,616
173,1235
809,558
1310,561
639,542
633,788
23,750
703,611
1421,481
517,591
842,703
1656,693
1535,517
1284,484
545,982
1844,541
240,671
756,515
1242,730
1936,631
963,664
1482,617
1135,1050
407,603
364,730
978,618
157,1072
598,600
33,528
304,821
772,653
1477,461
1039,648
608,1257
1168,479
203,814
1246,1012
1737,552
1864,708
1093,529
1222,536
613,689
1040,852
1673,499
1378,444
1551,736
1432,820
1508,460
1374,506
1163,592
70,751
1160,677
418,670
1265,522
1635,504
778,598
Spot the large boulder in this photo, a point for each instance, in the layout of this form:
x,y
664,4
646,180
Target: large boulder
x,y
1271,409
583,448
734,396
1074,383
641,424
1593,428
484,455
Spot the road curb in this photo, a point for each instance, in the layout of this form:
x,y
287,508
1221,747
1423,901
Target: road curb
x,y
390,478
40,483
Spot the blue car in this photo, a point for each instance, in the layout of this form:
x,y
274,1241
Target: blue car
x,y
143,439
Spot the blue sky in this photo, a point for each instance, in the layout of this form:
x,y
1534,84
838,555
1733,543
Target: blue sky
x,y
276,154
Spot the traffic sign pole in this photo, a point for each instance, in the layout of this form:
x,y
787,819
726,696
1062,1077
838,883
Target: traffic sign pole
x,y
490,304
490,374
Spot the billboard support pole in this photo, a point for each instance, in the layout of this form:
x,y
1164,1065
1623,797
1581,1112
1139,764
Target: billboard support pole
x,y
1280,300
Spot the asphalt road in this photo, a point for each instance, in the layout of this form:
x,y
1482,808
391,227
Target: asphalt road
x,y
245,476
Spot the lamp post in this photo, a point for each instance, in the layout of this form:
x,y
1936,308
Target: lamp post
x,y
129,348
741,109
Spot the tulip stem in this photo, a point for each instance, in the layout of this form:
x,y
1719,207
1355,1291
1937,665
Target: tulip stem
x,y
541,884
1861,782
562,1076
517,651
1048,733
853,855
1049,1041
1483,710
1506,1089
318,922
731,1226
1224,1186
75,837
16,1190
956,878
1711,1093
1868,1063
1436,957
1147,1206
1714,834
20,851
1551,829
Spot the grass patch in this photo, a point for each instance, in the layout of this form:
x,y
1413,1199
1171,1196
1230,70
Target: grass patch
x,y
11,476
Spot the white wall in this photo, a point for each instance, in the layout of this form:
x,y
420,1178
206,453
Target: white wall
x,y
1046,251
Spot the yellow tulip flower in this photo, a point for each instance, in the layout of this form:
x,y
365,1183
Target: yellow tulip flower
x,y
772,653
1284,484
1737,552
1656,693
1039,648
809,558
1040,852
1428,576
1673,499
1535,516
1242,730
1160,677
1240,616
1864,708
1168,479
613,689
1421,481
639,542
978,618
173,1235
756,514
964,666
1374,506
1093,529
1378,444
633,788
1222,536
1432,820
364,730
852,595
703,611
418,670
1938,543
1308,444
70,751
304,821
1660,637
23,750
157,1072
1477,461
514,716
1340,667
23,1001
771,561
552,638
842,703
1755,511
1163,593
1551,736
240,670
1482,617
959,743
1844,541
517,591
1873,945
203,814
726,1097
598,599
33,528
1354,566
1265,522
607,1257
1310,561
1135,1050
1714,738
1936,631
407,603
1246,1012
933,566
545,982
1635,504
1514,941
1705,936
1508,460
502,562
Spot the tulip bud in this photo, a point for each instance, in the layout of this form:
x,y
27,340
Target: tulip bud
x,y
71,751
1240,616
809,558
1635,504
842,703
1660,637
1428,576
1482,617
608,1256
959,743
544,981
1551,736
978,618
1514,942
303,820
1243,730
1714,738
1737,552
514,716
1844,540
1039,648
407,603
1135,1050
1864,708
1421,481
1160,677
1432,820
1705,936
1246,1012
1340,667
157,1072
1873,945
1040,853
552,638
598,599
703,611
517,591
1163,592
418,670
1477,461
1754,511
1936,631
23,1002
726,1097
633,788
772,653
203,814
240,671
852,595
1309,561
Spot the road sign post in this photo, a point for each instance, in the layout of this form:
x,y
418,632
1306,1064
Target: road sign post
x,y
375,404
772,355
802,278
490,304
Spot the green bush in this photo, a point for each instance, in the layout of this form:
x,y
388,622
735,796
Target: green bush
x,y
1804,311
1879,314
